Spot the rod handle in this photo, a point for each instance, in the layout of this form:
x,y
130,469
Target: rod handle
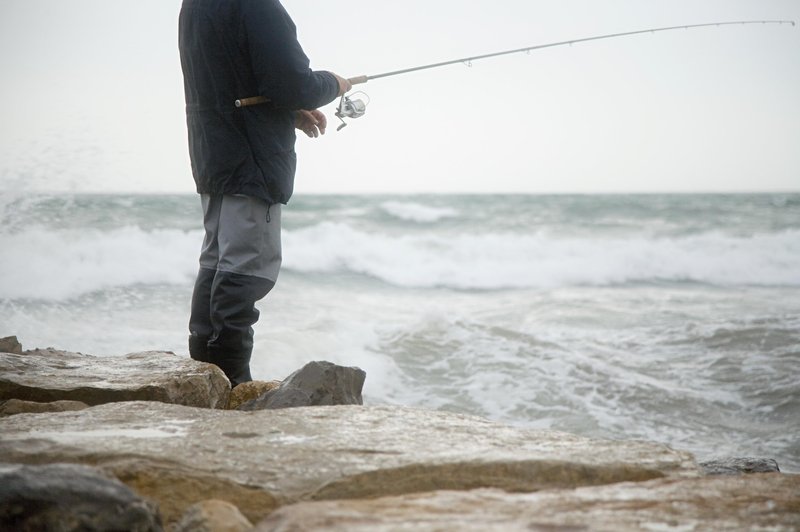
x,y
358,80
258,100
247,102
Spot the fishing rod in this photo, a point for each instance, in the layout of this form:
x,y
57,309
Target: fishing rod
x,y
349,108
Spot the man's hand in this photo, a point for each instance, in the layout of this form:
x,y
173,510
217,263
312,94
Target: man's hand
x,y
312,123
344,84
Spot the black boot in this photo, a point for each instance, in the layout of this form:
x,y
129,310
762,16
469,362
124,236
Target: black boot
x,y
233,313
200,329
235,363
198,348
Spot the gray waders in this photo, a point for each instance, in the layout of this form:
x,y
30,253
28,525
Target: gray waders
x,y
239,265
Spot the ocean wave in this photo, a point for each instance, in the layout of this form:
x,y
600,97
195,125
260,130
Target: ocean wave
x,y
513,260
416,212
39,263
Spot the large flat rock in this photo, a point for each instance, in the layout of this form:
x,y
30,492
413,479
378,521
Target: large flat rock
x,y
760,502
262,460
46,375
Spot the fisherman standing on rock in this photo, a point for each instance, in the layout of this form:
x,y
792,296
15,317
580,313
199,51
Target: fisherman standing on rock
x,y
243,159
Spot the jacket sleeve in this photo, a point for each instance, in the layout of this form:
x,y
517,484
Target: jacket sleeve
x,y
280,66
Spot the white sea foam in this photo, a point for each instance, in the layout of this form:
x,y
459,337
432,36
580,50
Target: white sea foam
x,y
512,260
60,264
416,212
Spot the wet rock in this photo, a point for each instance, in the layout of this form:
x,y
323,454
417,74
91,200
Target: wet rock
x,y
247,391
213,516
766,502
15,406
48,375
739,466
315,384
10,344
261,460
68,497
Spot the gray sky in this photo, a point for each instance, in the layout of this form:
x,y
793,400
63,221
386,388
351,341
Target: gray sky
x,y
91,98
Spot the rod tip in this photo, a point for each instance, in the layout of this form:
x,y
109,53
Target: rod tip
x,y
238,103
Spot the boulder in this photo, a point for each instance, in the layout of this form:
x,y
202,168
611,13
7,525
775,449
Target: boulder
x,y
213,516
247,391
768,502
46,375
68,497
262,460
10,344
315,384
740,466
15,406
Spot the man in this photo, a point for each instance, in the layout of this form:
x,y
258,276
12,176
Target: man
x,y
243,160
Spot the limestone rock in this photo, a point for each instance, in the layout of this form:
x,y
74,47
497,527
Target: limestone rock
x,y
67,497
766,502
10,344
49,375
213,516
259,461
15,406
247,391
315,384
740,466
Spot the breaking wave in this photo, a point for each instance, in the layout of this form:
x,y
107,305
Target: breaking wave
x,y
59,264
416,212
511,260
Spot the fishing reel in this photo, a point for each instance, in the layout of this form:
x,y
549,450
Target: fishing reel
x,y
349,108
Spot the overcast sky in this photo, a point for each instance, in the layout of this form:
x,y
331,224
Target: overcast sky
x,y
91,98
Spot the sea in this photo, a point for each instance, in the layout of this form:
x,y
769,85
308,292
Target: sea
x,y
670,318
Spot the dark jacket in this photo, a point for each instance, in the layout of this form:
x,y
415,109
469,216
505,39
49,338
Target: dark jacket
x,y
232,49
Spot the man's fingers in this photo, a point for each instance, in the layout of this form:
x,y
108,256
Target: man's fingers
x,y
322,120
309,117
312,123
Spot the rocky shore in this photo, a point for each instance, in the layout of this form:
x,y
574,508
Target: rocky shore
x,y
155,441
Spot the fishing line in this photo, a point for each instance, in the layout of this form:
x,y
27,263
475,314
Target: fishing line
x,y
354,108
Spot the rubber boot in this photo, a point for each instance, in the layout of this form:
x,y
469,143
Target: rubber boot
x,y
235,363
200,328
198,348
233,313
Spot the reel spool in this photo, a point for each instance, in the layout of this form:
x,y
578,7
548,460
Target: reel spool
x,y
350,108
